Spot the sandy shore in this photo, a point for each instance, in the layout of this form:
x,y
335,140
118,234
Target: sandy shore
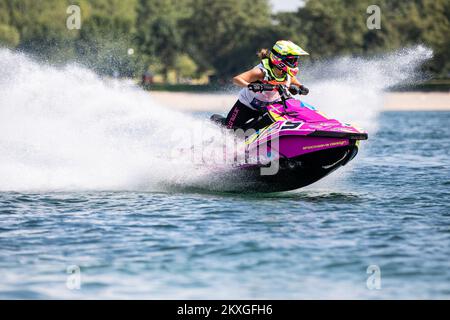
x,y
417,101
394,101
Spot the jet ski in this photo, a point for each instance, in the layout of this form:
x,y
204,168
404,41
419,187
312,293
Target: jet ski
x,y
300,146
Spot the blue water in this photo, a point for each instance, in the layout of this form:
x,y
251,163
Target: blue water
x,y
389,208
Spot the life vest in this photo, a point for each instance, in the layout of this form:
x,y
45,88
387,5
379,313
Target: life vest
x,y
270,75
255,100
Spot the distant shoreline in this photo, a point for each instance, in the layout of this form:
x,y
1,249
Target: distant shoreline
x,y
435,85
417,101
219,102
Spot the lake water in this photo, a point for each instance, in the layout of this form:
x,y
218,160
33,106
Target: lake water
x,y
388,210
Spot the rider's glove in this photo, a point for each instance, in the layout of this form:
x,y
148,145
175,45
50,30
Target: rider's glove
x,y
260,87
303,90
255,87
294,89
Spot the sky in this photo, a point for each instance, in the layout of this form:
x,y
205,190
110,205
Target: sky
x,y
286,5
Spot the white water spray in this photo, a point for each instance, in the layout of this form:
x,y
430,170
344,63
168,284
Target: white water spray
x,y
68,129
351,89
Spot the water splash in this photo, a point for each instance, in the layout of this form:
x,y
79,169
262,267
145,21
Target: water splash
x,y
68,129
352,89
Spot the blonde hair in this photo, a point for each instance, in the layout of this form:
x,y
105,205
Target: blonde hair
x,y
263,54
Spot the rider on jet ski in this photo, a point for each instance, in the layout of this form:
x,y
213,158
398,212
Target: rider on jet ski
x,y
278,66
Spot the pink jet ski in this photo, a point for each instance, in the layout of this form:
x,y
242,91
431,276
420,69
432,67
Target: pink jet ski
x,y
305,145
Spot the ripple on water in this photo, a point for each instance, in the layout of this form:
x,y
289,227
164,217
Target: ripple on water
x,y
389,209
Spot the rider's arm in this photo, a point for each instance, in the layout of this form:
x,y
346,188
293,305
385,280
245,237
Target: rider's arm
x,y
295,81
253,75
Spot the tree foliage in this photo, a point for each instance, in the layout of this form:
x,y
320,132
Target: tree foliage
x,y
216,36
224,35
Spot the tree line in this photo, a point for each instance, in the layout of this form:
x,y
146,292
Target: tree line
x,y
217,37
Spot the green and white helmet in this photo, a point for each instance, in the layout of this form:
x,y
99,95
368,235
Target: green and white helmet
x,y
285,56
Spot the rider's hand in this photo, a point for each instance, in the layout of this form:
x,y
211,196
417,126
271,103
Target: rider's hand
x,y
294,89
303,90
255,87
260,87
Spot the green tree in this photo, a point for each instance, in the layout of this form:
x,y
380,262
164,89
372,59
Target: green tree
x,y
9,36
432,27
107,33
160,32
335,27
41,25
185,67
224,35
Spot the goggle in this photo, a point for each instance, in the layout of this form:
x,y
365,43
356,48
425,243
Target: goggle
x,y
291,61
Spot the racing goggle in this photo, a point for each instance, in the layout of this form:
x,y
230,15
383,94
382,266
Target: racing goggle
x,y
290,61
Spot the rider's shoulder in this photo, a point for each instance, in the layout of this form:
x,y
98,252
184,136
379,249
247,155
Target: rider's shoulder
x,y
257,72
260,70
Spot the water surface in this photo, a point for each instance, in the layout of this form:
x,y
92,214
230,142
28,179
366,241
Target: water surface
x,y
389,208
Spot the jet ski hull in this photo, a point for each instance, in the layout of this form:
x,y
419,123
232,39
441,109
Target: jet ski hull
x,y
293,173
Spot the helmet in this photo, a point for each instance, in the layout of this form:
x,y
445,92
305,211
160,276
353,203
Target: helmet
x,y
285,56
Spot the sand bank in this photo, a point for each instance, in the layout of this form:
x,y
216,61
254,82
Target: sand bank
x,y
416,101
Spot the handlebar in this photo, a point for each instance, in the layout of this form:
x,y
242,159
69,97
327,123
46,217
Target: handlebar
x,y
281,88
260,87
